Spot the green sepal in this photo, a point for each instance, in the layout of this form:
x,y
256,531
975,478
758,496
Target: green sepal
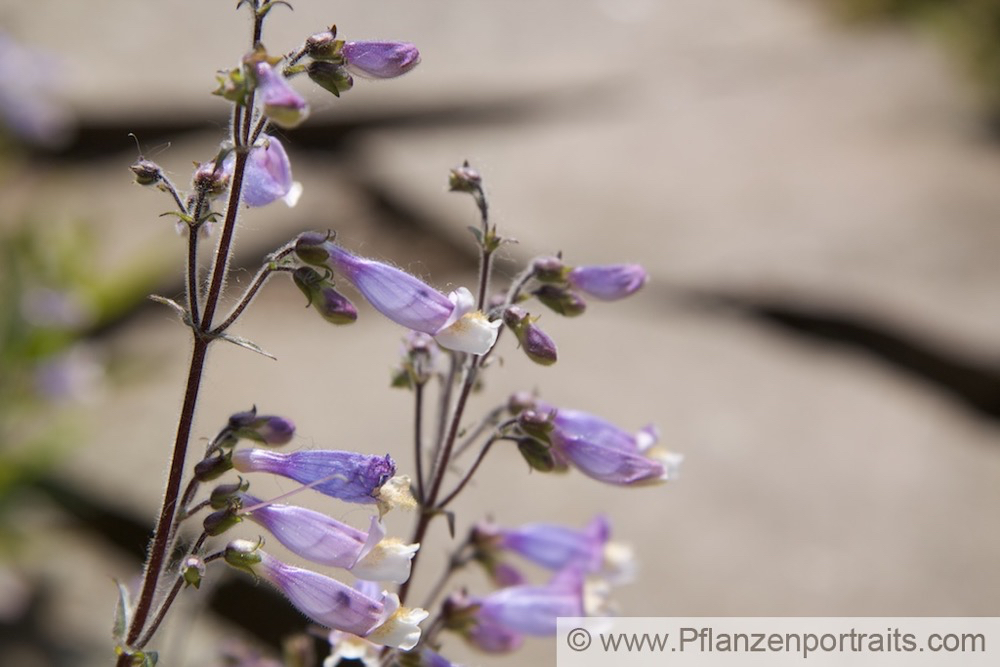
x,y
219,522
537,454
402,378
192,577
233,86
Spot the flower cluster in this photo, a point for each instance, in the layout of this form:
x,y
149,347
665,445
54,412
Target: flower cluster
x,y
450,343
321,539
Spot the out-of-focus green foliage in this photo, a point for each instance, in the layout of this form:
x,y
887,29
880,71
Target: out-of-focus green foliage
x,y
971,28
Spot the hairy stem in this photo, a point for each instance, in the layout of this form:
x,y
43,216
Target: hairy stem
x,y
428,511
160,547
169,600
418,439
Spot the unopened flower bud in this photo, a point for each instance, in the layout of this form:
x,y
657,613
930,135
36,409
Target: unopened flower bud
x,y
211,179
536,343
561,300
333,306
146,172
243,555
380,60
213,467
464,179
311,248
324,45
609,282
548,269
220,521
535,424
331,76
521,400
265,429
193,570
225,495
537,454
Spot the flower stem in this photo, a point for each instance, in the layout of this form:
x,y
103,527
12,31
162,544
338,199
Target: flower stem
x,y
160,548
418,440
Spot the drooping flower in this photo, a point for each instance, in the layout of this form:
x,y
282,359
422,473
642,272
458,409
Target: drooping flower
x,y
404,298
380,60
555,547
279,101
331,603
268,174
606,452
533,610
349,476
324,540
490,637
608,282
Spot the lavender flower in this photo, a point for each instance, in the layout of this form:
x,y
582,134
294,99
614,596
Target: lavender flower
x,y
268,175
349,476
405,299
324,540
606,452
555,547
265,429
609,282
532,610
331,603
281,104
380,60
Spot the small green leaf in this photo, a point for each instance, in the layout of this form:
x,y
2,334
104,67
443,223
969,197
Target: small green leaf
x,y
121,613
248,344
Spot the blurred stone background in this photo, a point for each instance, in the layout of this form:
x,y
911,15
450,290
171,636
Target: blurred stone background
x,y
817,204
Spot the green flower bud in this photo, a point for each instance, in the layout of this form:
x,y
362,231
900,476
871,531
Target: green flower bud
x,y
219,522
563,301
242,554
330,76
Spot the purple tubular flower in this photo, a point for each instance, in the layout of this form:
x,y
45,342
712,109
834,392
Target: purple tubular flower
x,y
312,535
403,298
554,546
380,60
429,658
326,541
349,476
491,637
334,604
607,453
533,610
609,282
268,175
326,601
281,104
